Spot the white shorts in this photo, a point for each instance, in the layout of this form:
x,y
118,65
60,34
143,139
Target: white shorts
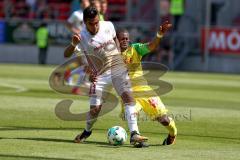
x,y
104,84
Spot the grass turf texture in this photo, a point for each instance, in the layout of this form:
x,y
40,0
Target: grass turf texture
x,y
206,108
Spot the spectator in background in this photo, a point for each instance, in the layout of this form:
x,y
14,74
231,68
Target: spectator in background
x,y
32,4
97,5
42,43
75,21
8,8
50,13
33,7
104,8
177,8
21,9
41,9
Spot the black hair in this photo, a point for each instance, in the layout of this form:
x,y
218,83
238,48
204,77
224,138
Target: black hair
x,y
121,30
89,13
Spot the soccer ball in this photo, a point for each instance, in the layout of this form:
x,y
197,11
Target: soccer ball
x,y
117,135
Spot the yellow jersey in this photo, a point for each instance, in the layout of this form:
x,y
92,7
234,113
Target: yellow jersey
x,y
146,98
132,56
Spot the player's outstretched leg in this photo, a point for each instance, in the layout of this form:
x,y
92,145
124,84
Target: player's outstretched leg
x,y
137,140
83,136
169,123
91,119
131,115
169,140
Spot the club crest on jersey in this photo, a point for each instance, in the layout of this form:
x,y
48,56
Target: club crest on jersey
x,y
107,46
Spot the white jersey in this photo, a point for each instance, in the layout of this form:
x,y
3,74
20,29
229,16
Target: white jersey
x,y
76,19
102,46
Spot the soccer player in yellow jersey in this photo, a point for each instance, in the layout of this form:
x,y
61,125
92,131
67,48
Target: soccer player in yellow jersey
x,y
151,103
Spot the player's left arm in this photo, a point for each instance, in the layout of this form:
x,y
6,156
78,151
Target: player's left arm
x,y
165,27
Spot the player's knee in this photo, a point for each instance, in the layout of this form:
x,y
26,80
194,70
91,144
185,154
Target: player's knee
x,y
127,98
164,120
94,111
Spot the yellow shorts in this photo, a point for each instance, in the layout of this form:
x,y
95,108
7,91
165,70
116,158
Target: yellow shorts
x,y
151,104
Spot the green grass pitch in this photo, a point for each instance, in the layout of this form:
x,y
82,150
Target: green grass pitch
x,y
206,108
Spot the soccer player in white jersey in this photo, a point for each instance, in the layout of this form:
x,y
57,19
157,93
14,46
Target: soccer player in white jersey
x,y
75,21
75,24
98,39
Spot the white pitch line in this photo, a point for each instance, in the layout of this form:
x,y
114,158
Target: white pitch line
x,y
29,81
17,87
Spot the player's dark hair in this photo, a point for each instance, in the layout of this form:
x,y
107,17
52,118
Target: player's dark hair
x,y
89,13
121,30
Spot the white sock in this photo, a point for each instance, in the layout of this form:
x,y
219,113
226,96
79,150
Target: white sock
x,y
131,116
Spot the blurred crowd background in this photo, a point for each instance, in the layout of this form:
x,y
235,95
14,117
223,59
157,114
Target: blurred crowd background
x,y
205,34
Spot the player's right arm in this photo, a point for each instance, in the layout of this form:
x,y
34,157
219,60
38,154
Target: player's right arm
x,y
145,48
71,47
162,30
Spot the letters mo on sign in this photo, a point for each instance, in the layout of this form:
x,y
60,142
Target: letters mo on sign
x,y
221,40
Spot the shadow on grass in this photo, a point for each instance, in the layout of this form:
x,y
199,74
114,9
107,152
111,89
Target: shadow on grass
x,y
106,145
29,157
43,139
98,143
12,128
61,140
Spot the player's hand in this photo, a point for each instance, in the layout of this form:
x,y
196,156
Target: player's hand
x,y
76,38
165,27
